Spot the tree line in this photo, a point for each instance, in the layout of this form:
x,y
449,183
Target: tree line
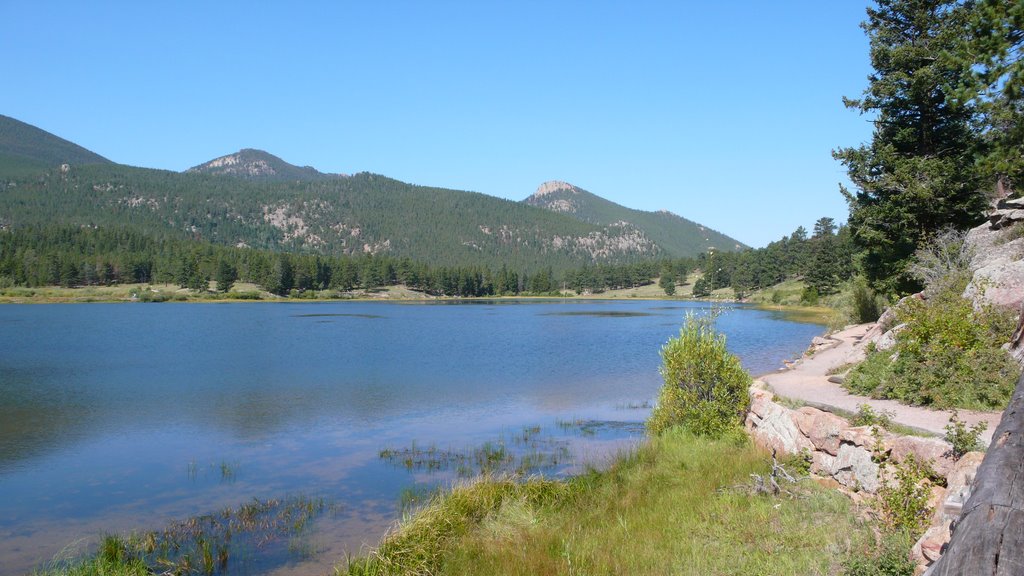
x,y
74,256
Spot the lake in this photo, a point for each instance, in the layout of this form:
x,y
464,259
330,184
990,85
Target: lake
x,y
133,417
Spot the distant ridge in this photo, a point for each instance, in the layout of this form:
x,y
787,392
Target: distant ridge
x,y
253,164
22,143
675,234
252,198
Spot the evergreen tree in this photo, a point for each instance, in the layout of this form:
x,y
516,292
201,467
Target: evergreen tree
x,y
667,283
701,288
226,276
917,175
993,46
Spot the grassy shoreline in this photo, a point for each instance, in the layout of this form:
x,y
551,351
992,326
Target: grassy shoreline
x,y
677,504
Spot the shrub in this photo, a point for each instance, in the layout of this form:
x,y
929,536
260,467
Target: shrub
x,y
904,499
946,260
867,416
701,288
867,306
962,438
889,558
947,356
706,388
809,296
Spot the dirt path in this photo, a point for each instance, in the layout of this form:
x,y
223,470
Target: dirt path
x,y
807,381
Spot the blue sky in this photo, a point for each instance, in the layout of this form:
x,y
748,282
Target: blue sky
x,y
723,112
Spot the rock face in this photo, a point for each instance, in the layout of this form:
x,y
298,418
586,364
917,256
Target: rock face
x,y
998,260
847,456
839,451
775,427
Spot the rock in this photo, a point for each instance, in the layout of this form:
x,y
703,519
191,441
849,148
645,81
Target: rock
x,y
959,484
823,464
887,341
837,379
931,450
998,268
759,401
1011,203
777,430
929,547
821,428
860,436
1000,283
1016,344
1000,219
855,469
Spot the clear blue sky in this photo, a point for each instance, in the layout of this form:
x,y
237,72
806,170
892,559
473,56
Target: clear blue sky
x,y
723,112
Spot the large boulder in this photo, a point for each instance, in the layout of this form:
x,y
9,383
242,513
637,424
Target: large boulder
x,y
854,468
775,428
821,428
998,268
933,451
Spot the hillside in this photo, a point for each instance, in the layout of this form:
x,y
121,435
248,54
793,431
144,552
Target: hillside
x,y
23,145
253,198
675,234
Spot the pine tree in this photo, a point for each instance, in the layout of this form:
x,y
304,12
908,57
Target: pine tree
x,y
226,276
917,175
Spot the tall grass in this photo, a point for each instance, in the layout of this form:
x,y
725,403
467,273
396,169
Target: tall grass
x,y
671,506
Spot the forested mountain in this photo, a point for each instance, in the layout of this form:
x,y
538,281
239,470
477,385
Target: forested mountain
x,y
254,199
24,146
258,165
675,234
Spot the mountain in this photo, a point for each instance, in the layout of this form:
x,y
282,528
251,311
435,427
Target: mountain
x,y
252,198
23,145
675,234
258,165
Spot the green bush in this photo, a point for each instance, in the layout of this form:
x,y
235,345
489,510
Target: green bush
x,y
890,557
809,296
904,497
962,438
867,306
947,356
867,416
706,388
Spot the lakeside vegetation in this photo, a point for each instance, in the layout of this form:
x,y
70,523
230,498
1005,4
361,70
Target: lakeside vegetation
x,y
679,504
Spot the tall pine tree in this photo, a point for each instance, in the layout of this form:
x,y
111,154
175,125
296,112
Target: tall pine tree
x,y
918,174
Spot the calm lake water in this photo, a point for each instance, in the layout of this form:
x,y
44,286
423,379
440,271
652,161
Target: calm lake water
x,y
129,417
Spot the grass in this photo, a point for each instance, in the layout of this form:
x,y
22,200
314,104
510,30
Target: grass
x,y
675,505
208,545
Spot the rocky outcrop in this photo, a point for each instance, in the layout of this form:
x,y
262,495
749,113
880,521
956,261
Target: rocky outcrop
x,y
998,257
838,450
849,456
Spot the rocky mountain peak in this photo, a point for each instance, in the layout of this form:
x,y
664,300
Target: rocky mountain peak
x,y
252,164
552,186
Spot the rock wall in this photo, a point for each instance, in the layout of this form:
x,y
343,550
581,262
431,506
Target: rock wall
x,y
846,454
998,257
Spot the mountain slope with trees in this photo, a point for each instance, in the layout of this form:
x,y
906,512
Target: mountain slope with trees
x,y
24,147
677,235
254,199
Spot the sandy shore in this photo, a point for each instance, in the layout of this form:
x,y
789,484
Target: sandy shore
x,y
807,381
